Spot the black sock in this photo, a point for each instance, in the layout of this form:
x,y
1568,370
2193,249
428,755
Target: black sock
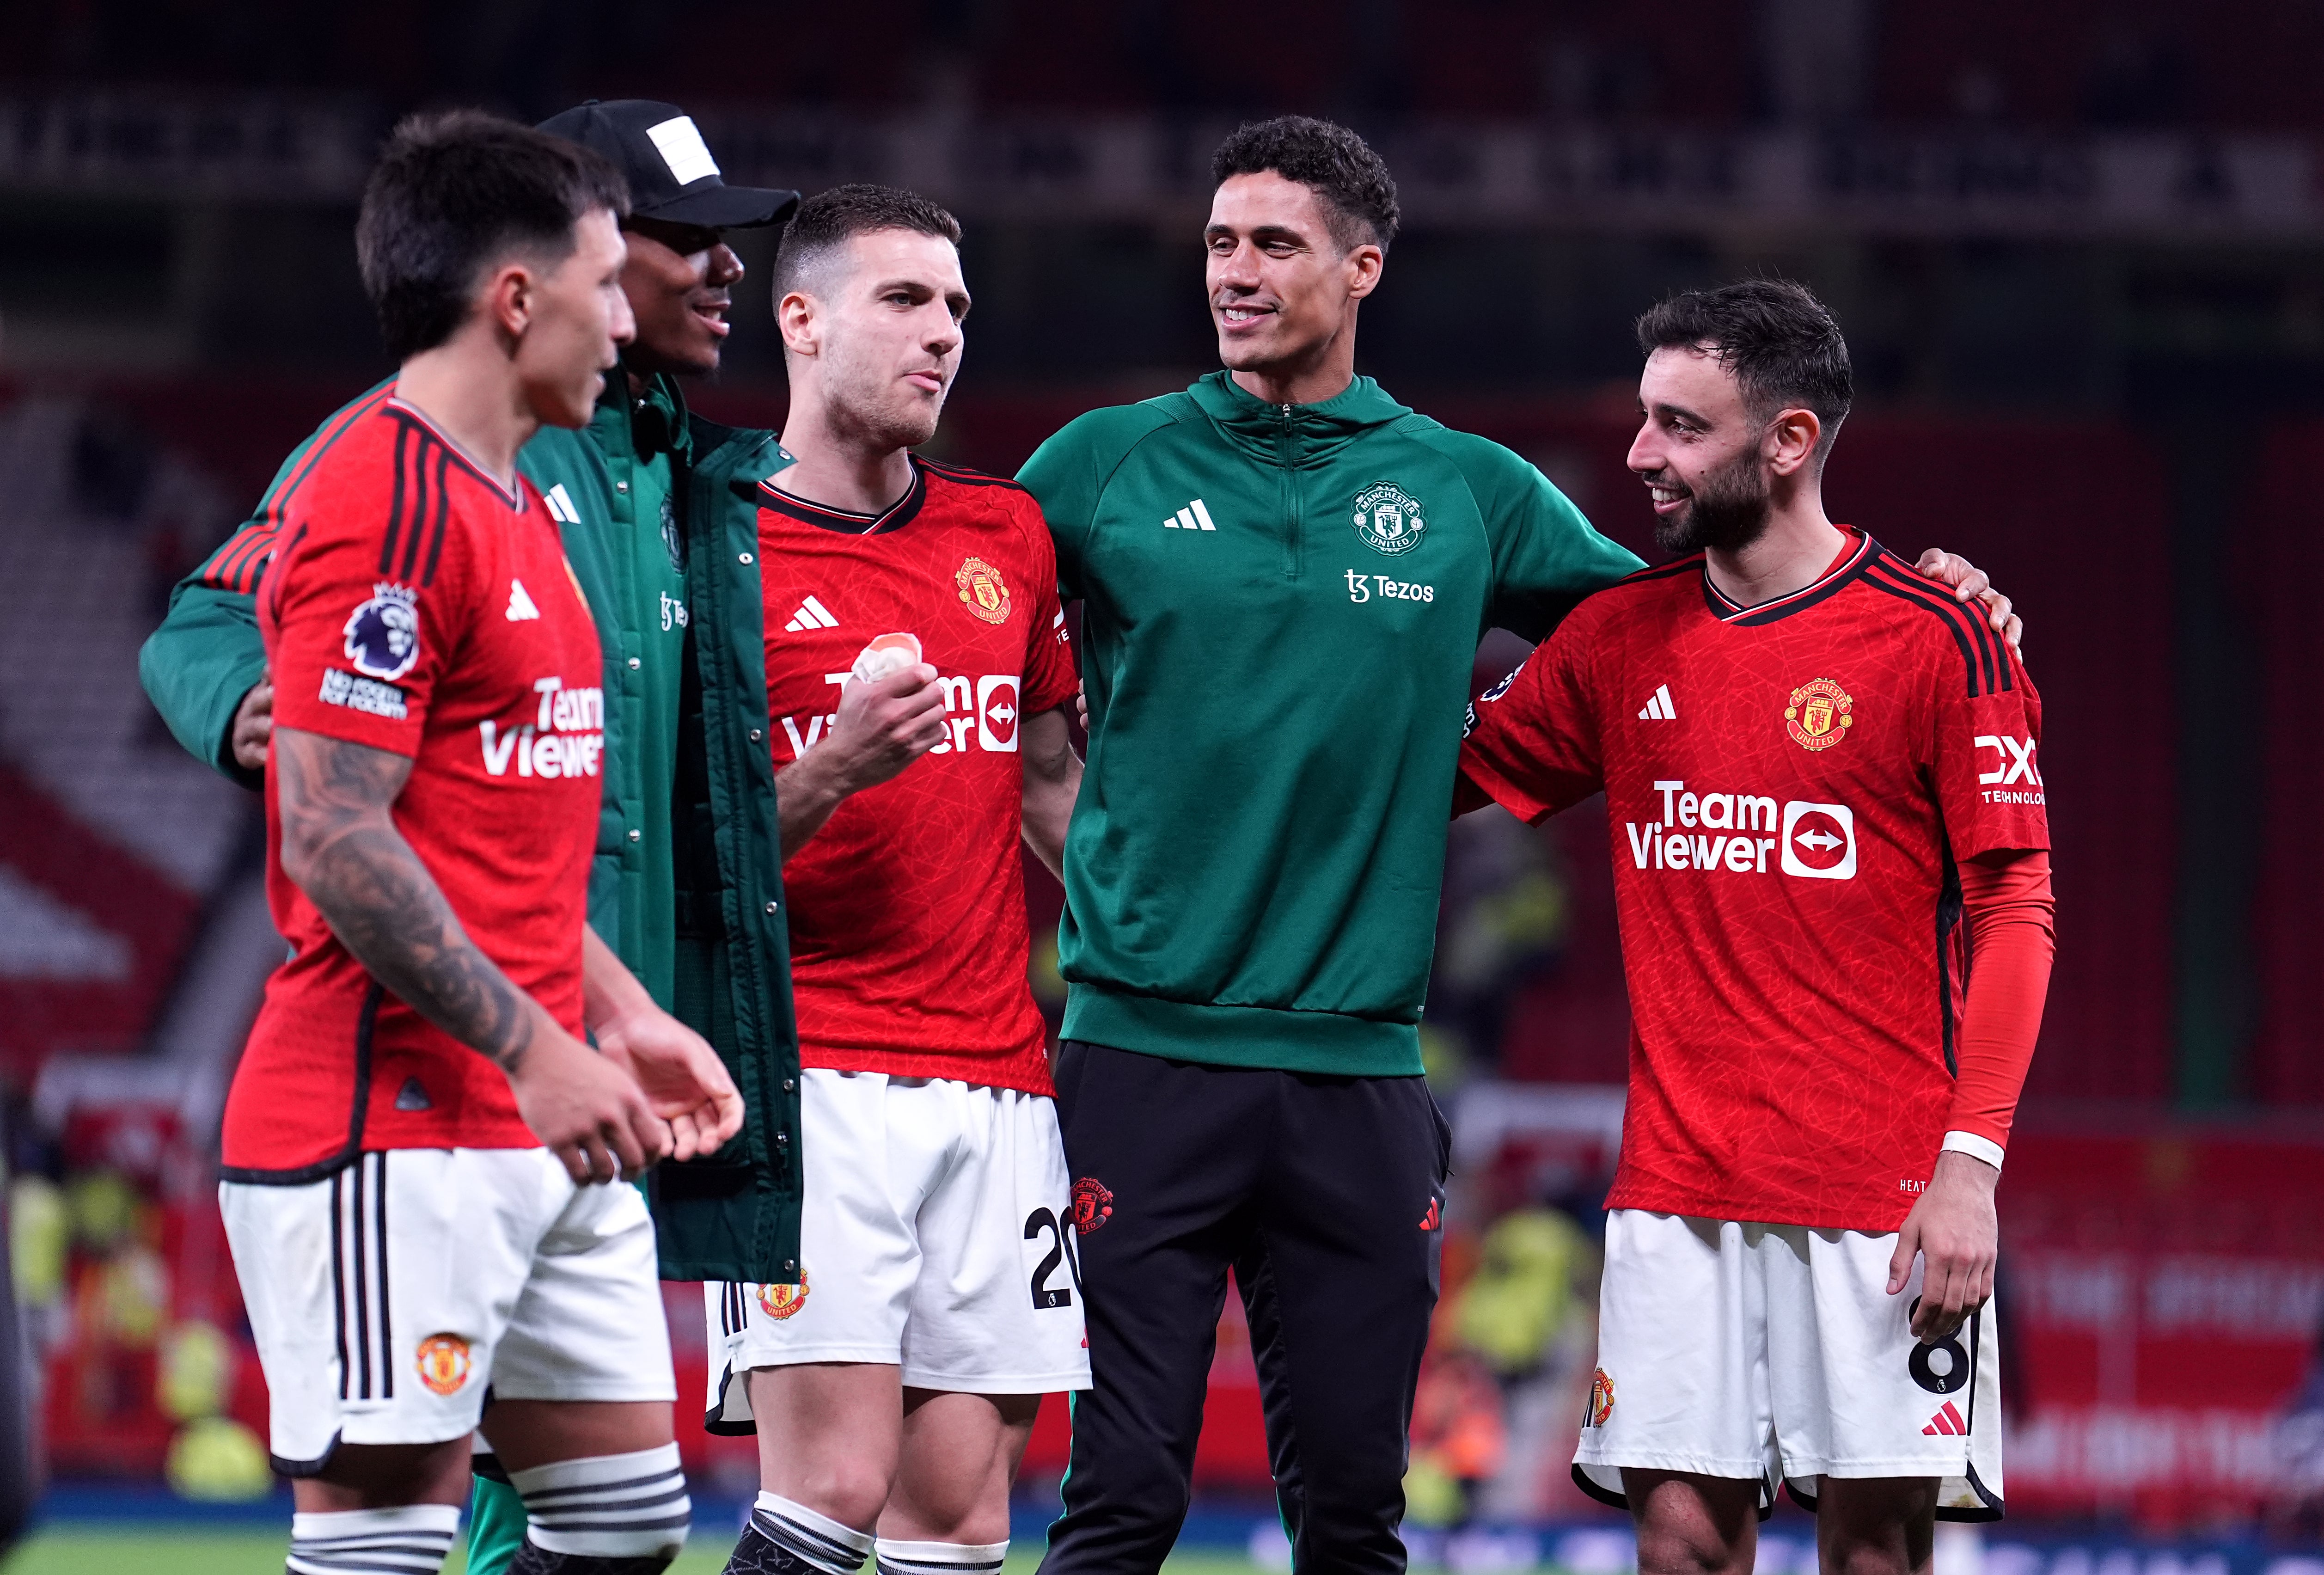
x,y
533,1559
757,1554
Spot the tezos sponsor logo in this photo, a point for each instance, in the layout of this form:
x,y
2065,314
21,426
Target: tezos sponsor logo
x,y
1388,519
1363,587
1714,832
383,634
566,738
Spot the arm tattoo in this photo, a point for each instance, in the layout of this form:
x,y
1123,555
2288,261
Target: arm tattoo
x,y
340,845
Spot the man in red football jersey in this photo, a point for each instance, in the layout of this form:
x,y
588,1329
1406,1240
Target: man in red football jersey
x,y
917,671
1820,770
411,1133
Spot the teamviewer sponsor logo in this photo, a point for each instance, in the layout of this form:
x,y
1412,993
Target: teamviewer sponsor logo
x,y
980,713
1721,832
1820,841
566,737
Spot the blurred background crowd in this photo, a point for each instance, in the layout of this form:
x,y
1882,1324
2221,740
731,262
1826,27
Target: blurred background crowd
x,y
2078,248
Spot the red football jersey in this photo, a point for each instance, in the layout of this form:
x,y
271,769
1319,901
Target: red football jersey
x,y
907,927
420,607
1787,787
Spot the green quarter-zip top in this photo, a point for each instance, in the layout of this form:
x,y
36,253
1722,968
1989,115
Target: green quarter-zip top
x,y
1281,607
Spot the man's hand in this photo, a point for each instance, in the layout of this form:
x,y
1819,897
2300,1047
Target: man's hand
x,y
586,1109
253,724
881,727
1954,1230
1970,583
684,1081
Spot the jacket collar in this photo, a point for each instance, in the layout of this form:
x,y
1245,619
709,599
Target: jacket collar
x,y
1294,435
654,422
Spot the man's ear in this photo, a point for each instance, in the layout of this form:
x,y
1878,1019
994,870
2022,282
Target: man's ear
x,y
798,318
1791,441
1365,265
509,299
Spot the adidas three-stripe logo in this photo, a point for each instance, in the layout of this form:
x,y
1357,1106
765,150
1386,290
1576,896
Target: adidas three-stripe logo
x,y
1659,706
812,614
560,505
1946,1424
1193,516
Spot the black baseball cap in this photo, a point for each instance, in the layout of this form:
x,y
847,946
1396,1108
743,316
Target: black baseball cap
x,y
672,176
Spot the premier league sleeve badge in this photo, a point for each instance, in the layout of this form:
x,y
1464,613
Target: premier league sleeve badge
x,y
383,633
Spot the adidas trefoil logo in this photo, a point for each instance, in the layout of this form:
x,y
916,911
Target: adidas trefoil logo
x,y
812,614
520,607
1193,516
1659,706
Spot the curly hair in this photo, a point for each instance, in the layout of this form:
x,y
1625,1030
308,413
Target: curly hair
x,y
1358,193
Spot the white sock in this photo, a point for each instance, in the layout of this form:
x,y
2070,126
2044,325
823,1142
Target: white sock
x,y
413,1538
897,1557
569,1505
803,1534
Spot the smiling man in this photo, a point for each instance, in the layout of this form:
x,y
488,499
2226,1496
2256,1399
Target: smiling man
x,y
1835,776
1285,575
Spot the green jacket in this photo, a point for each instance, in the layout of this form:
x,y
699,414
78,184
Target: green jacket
x,y
716,942
1280,612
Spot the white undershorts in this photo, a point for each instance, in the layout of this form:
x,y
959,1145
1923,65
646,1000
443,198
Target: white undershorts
x,y
936,1236
1768,1351
387,1298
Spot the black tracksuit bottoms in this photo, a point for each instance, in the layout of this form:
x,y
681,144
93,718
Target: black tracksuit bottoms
x,y
1325,1196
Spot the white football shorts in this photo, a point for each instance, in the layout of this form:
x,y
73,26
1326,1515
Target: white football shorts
x,y
387,1298
936,1236
1775,1351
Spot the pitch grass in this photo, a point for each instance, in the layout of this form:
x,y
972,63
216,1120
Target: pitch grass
x,y
78,1550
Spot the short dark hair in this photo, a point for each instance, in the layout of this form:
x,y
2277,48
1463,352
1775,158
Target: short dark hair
x,y
829,219
1782,344
455,192
1340,167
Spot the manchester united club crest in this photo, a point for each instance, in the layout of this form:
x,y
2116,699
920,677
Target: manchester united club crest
x,y
983,591
1819,716
1601,1400
444,1363
781,1302
1093,1205
1388,519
